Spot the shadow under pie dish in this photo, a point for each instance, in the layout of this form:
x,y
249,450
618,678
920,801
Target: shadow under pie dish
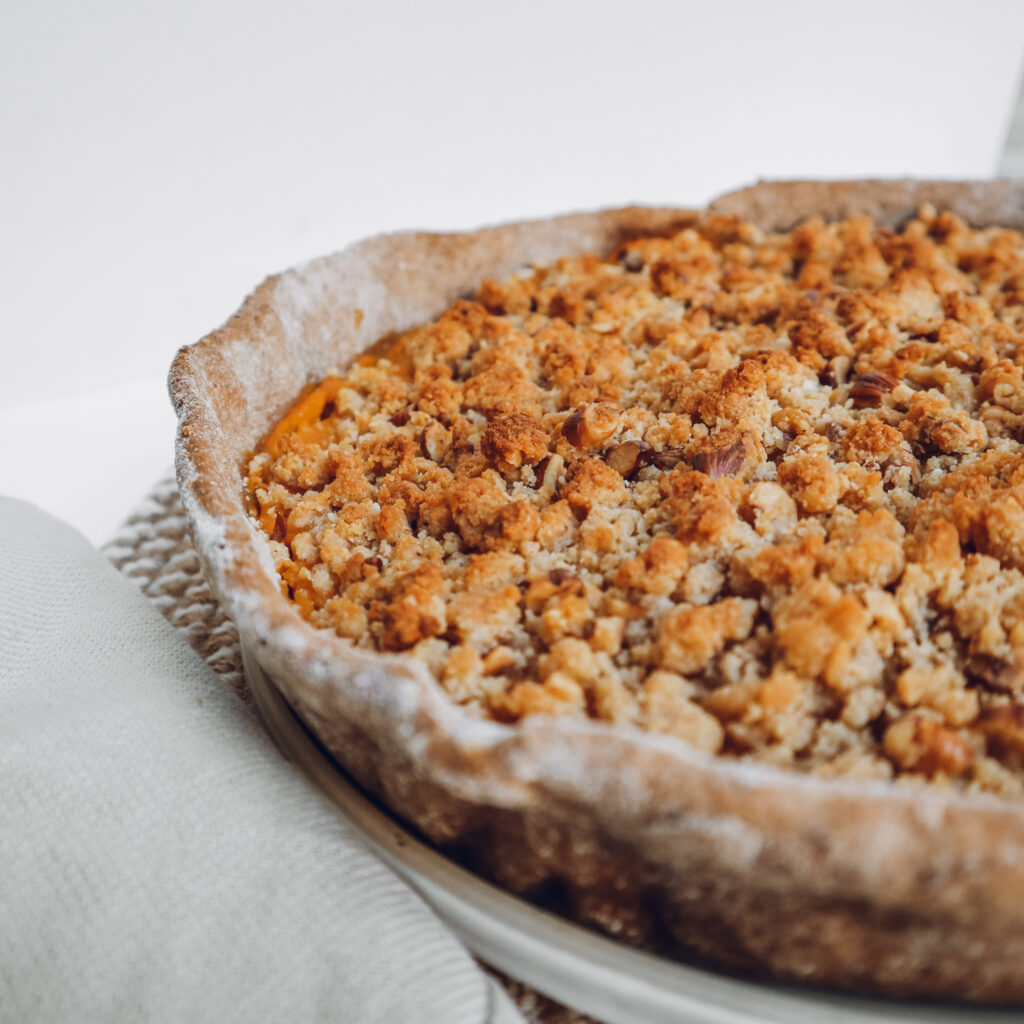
x,y
693,815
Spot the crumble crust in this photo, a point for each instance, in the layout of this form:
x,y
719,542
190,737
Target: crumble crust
x,y
763,492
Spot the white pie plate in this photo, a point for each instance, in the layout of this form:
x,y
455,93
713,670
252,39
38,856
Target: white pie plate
x,y
575,966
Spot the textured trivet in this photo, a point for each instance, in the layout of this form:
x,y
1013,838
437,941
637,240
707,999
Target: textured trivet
x,y
153,548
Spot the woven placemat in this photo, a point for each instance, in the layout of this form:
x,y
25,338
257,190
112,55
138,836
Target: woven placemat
x,y
153,548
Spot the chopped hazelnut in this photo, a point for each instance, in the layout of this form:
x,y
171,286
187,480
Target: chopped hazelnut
x,y
868,390
628,457
589,426
727,453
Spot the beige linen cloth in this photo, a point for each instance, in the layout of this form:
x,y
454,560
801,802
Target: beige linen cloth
x,y
159,860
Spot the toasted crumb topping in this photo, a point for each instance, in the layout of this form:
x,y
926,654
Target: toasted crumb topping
x,y
761,492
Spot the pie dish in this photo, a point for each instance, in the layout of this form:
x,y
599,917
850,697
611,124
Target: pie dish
x,y
574,965
850,882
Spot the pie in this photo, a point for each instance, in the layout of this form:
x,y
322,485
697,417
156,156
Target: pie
x,y
664,563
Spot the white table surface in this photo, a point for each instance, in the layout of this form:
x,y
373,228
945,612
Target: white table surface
x,y
159,161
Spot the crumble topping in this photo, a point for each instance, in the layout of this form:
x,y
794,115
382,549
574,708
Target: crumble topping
x,y
762,492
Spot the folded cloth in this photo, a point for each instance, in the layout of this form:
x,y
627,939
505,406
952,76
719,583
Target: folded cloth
x,y
159,860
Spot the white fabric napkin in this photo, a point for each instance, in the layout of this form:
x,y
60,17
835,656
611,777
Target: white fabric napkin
x,y
159,860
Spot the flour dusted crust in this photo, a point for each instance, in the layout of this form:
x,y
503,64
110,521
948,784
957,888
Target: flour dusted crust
x,y
857,883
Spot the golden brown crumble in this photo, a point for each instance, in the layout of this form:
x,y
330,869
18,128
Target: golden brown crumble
x,y
762,492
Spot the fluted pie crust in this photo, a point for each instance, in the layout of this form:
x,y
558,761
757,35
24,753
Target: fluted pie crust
x,y
853,882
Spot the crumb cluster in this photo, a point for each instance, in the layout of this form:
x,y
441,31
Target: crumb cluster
x,y
762,492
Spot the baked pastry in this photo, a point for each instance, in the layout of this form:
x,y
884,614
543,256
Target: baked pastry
x,y
751,539
710,486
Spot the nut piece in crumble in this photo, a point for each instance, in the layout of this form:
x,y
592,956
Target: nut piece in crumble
x,y
761,492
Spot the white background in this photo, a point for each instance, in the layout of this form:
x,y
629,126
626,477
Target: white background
x,y
158,160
